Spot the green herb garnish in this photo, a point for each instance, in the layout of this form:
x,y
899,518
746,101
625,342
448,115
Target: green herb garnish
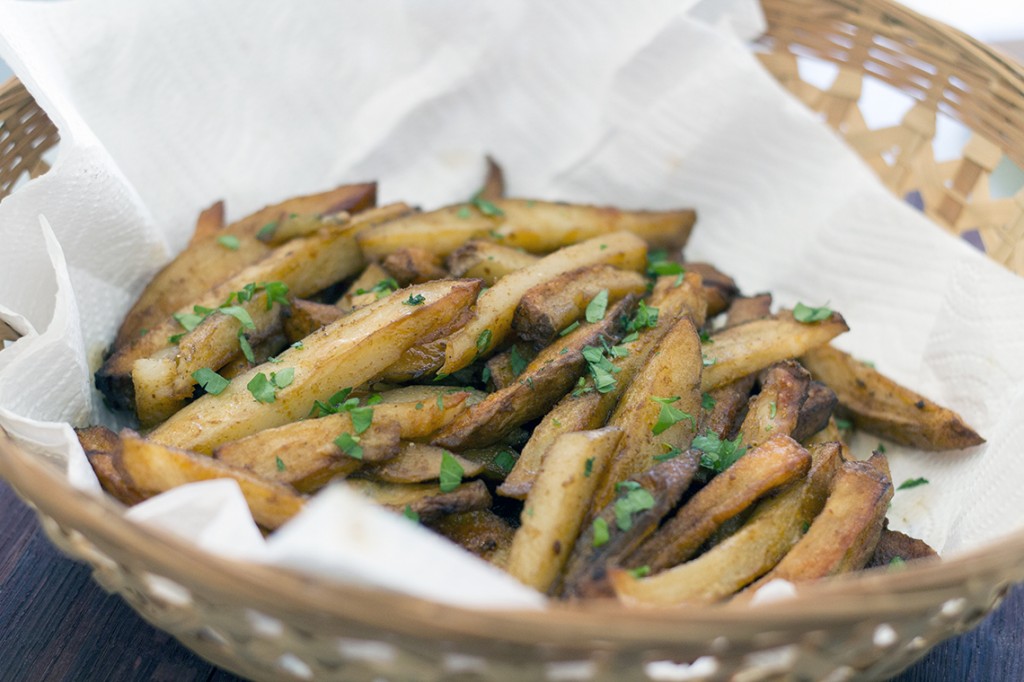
x,y
719,454
601,534
349,444
633,499
597,307
229,242
451,472
669,415
912,483
415,299
807,314
211,382
261,388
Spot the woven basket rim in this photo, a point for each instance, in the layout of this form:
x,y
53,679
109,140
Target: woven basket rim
x,y
846,599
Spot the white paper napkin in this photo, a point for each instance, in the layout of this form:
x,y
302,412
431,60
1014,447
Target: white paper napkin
x,y
165,107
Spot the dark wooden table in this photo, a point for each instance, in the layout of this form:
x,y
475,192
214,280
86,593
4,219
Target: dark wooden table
x,y
57,624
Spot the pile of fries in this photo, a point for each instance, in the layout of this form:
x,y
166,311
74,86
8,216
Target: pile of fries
x,y
548,385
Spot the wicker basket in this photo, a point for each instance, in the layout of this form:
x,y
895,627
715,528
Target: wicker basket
x,y
270,624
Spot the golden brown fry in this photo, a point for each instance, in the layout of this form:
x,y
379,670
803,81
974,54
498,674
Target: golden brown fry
x,y
537,226
494,182
209,223
206,262
487,261
719,288
895,547
743,309
496,306
305,317
425,499
373,284
750,347
879,405
346,353
776,409
506,366
776,525
261,352
658,410
548,308
545,380
100,444
776,462
418,463
557,505
152,468
413,265
843,536
482,533
586,571
816,411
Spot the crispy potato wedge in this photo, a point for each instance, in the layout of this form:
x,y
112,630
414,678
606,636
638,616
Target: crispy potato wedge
x,y
482,533
591,410
879,405
100,445
548,308
418,463
777,461
719,288
750,347
506,366
305,317
776,408
493,188
743,309
414,265
487,261
299,225
209,223
557,505
776,525
816,411
669,381
152,468
207,262
586,571
496,307
261,352
425,499
545,380
536,226
346,353
844,535
894,547
373,284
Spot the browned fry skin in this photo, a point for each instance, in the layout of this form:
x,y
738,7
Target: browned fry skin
x,y
427,356
207,262
305,317
100,444
413,265
719,287
209,223
879,405
585,573
745,309
894,547
844,535
152,468
505,367
815,412
494,182
773,464
776,409
425,499
373,284
548,308
482,533
544,381
418,463
487,261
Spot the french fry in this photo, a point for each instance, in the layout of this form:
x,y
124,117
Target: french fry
x,y
719,288
776,409
413,265
346,353
493,188
557,505
152,468
373,284
775,526
488,261
424,499
816,411
545,380
894,547
586,571
482,533
100,445
496,306
206,261
777,461
506,366
878,405
750,347
658,410
548,308
418,463
536,226
305,317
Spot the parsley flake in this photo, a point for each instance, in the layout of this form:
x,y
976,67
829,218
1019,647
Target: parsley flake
x,y
486,207
243,343
633,499
451,472
707,401
844,424
410,514
464,213
240,314
516,362
597,307
570,328
415,299
588,467
280,463
483,341
669,415
671,452
261,388
349,444
773,409
640,571
212,382
505,461
362,417
912,483
381,288
229,242
644,318
719,454
807,314
601,534
267,231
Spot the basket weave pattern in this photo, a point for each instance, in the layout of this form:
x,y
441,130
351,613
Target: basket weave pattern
x,y
269,624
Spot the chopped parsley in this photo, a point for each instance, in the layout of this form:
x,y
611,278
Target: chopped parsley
x,y
640,571
844,424
464,213
669,415
349,444
880,448
570,328
243,343
588,467
483,341
229,242
261,388
912,483
705,336
267,231
633,499
807,314
708,361
897,562
601,534
597,307
516,362
505,461
773,409
380,289
279,463
601,368
719,454
486,207
211,382
671,452
410,514
362,417
644,318
451,472
707,401
415,299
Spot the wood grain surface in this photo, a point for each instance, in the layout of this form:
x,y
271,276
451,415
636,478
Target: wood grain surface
x,y
56,624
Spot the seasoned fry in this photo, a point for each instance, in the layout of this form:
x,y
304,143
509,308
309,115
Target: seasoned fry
x,y
537,226
745,309
305,317
482,533
506,366
261,352
738,351
719,288
496,306
843,536
816,411
776,462
345,353
894,547
776,525
487,261
418,463
152,468
100,444
206,261
878,405
544,381
494,182
557,505
658,410
548,308
586,571
425,499
413,265
373,284
776,409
